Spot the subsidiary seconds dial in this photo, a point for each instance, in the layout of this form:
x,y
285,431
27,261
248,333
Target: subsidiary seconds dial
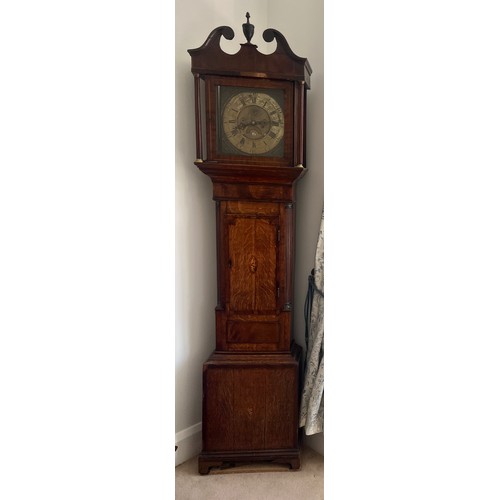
x,y
253,122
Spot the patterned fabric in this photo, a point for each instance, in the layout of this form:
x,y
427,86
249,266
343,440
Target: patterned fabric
x,y
311,407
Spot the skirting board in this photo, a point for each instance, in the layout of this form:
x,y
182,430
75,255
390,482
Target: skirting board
x,y
316,442
188,442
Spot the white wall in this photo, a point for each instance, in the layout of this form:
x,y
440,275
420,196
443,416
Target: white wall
x,y
195,211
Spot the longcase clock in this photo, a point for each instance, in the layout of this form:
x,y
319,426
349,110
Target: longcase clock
x,y
250,140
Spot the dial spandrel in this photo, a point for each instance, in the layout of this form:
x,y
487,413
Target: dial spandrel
x,y
251,121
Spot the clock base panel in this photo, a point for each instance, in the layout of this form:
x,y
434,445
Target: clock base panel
x,y
206,461
250,409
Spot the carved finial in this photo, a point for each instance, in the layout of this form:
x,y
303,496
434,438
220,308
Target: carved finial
x,y
248,28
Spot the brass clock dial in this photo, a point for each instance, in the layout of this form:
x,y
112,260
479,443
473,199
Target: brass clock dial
x,y
253,122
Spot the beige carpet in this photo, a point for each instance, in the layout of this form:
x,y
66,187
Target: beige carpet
x,y
243,483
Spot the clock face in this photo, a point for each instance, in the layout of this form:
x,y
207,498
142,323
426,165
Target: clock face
x,y
252,122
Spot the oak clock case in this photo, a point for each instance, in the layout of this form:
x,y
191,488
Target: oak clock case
x,y
250,122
